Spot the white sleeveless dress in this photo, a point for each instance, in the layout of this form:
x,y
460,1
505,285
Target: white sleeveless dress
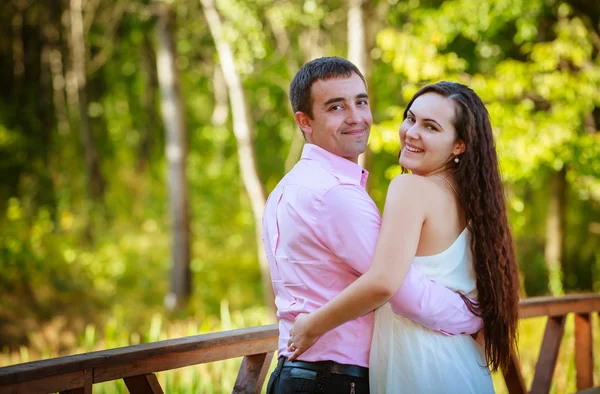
x,y
408,358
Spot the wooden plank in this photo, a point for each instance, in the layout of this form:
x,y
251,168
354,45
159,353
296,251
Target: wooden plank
x,y
143,384
163,362
198,343
88,382
160,362
544,369
595,390
559,306
253,371
513,378
584,357
51,384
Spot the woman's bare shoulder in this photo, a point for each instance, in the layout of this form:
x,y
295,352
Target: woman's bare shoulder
x,y
409,183
408,187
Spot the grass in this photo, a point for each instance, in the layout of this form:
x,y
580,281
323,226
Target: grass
x,y
219,377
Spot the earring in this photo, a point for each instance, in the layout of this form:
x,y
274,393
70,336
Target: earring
x,y
456,159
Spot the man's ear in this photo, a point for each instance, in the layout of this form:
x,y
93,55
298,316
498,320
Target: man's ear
x,y
303,121
459,148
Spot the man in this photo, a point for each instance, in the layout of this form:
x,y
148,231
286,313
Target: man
x,y
320,232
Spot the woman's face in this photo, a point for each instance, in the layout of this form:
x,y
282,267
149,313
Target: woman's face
x,y
427,135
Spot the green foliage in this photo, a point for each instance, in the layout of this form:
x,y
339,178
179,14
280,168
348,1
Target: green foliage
x,y
540,88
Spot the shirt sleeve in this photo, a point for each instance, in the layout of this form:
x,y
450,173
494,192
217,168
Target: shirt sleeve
x,y
433,306
348,222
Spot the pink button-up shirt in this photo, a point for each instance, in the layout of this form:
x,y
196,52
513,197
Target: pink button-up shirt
x,y
320,228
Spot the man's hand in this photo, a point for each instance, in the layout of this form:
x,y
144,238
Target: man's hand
x,y
301,337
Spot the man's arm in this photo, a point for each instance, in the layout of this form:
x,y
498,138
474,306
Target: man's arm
x,y
433,306
349,224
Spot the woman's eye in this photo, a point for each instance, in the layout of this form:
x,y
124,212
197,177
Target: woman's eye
x,y
410,119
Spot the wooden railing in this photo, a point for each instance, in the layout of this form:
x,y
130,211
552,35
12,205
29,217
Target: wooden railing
x,y
137,365
557,309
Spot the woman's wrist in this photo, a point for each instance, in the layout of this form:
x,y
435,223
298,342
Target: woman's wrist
x,y
315,323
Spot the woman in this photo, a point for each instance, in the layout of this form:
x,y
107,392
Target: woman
x,y
449,219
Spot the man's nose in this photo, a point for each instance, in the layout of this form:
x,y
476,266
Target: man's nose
x,y
353,115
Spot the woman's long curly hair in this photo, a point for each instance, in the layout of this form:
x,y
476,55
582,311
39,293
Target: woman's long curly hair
x,y
481,196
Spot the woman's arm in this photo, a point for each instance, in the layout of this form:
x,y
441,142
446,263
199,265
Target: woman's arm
x,y
403,218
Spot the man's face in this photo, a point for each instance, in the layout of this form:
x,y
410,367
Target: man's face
x,y
341,119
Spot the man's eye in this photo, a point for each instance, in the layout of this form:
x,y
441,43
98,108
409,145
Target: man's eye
x,y
336,107
363,102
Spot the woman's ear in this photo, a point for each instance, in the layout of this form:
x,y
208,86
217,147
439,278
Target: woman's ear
x,y
303,121
459,148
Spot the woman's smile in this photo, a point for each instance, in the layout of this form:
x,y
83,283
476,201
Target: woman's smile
x,y
413,149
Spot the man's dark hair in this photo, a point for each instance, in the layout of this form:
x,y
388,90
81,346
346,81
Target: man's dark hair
x,y
321,68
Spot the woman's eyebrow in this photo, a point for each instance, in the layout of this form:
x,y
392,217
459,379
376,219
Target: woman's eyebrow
x,y
426,119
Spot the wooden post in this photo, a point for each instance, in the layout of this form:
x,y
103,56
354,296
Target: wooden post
x,y
513,378
143,384
252,373
544,369
584,357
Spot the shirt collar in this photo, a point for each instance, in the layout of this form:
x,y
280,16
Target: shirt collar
x,y
343,169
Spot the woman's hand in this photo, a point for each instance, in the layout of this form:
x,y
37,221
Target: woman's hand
x,y
301,336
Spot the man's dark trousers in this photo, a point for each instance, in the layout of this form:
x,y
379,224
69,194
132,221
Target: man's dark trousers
x,y
317,377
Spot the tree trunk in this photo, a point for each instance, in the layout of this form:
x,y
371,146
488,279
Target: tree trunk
x,y
18,50
310,44
358,54
220,115
357,38
243,130
148,103
96,183
555,231
176,153
58,91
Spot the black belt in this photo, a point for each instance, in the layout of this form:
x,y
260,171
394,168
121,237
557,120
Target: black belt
x,y
328,366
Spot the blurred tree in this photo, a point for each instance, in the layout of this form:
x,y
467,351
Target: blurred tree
x,y
96,182
243,130
358,47
176,154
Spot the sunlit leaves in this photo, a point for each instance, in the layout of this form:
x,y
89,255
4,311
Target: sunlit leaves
x,y
244,30
572,45
416,57
536,68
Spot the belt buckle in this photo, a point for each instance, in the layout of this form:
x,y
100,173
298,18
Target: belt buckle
x,y
337,369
